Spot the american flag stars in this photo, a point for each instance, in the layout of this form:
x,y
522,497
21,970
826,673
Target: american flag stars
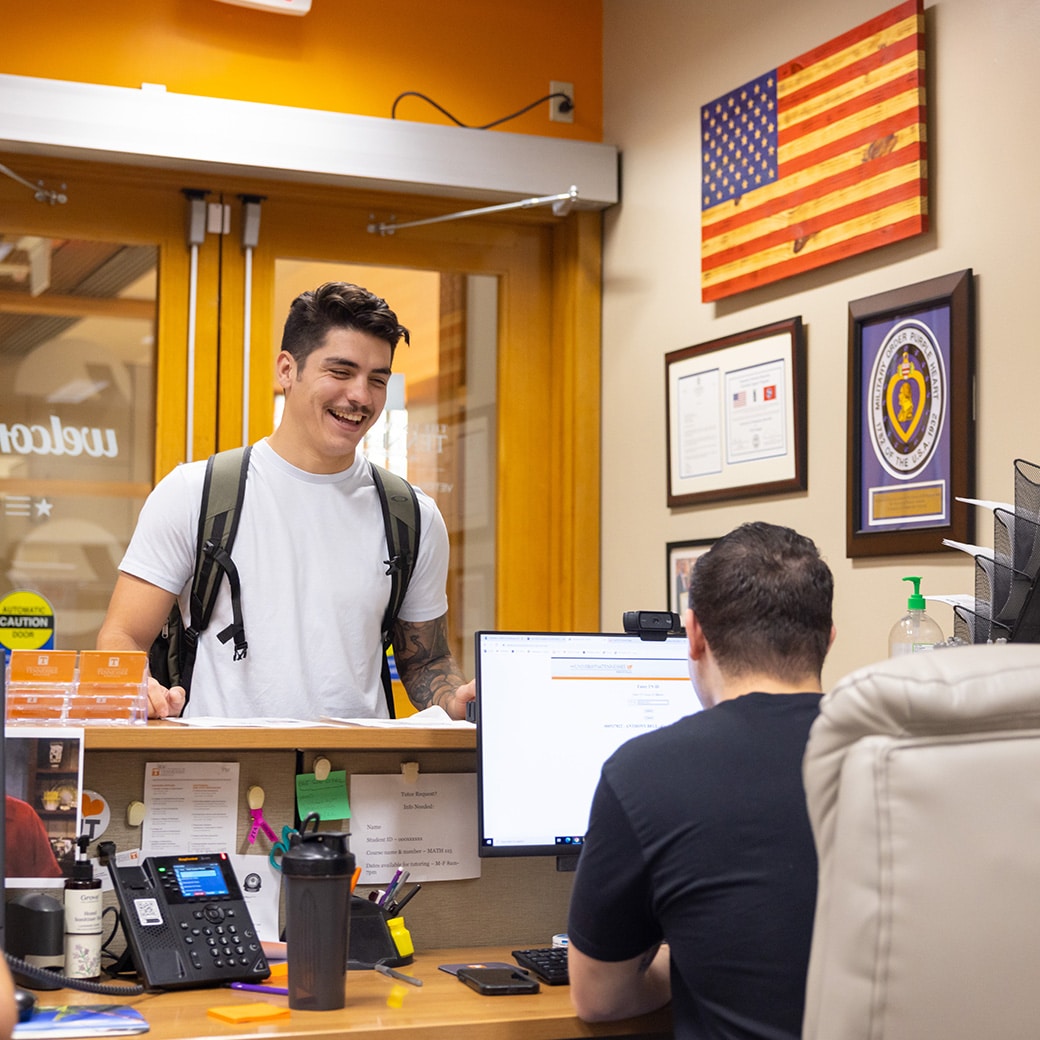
x,y
739,132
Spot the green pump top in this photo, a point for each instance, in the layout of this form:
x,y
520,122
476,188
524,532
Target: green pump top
x,y
916,600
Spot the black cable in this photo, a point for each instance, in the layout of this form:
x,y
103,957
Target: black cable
x,y
122,962
565,106
115,928
32,971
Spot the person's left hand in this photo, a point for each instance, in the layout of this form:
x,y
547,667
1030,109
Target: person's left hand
x,y
166,703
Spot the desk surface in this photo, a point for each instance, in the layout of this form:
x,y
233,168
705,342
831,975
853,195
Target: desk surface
x,y
441,1009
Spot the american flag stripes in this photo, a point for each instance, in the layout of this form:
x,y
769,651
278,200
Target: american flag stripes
x,y
817,160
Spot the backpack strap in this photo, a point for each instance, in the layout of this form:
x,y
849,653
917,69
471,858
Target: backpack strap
x,y
222,493
403,527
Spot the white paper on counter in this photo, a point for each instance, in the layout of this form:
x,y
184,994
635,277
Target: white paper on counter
x,y
223,722
433,717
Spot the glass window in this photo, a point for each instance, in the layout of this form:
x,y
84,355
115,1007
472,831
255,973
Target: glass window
x,y
77,418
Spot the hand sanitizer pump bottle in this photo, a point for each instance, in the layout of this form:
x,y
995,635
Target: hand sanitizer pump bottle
x,y
915,631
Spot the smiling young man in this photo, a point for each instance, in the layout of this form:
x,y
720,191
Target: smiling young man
x,y
310,549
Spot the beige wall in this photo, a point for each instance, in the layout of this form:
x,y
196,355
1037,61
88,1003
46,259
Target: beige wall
x,y
662,60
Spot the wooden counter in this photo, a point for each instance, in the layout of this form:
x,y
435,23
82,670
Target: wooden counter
x,y
441,1009
174,736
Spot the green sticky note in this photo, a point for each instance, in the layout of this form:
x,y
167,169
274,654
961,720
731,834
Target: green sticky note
x,y
327,798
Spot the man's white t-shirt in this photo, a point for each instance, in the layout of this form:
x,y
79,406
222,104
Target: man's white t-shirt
x,y
311,556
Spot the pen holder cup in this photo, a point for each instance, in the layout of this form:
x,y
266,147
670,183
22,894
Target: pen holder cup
x,y
374,939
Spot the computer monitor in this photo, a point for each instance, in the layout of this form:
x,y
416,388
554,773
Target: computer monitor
x,y
551,708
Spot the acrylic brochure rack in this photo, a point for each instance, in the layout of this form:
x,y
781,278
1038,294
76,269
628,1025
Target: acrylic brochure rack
x,y
73,688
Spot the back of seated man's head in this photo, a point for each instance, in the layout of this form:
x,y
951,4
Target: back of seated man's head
x,y
763,596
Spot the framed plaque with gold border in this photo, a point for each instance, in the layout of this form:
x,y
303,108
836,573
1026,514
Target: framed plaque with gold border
x,y
911,444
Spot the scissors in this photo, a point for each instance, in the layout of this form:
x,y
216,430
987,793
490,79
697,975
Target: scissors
x,y
256,810
281,847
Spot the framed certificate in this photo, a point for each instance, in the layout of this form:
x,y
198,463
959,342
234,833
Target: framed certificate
x,y
736,416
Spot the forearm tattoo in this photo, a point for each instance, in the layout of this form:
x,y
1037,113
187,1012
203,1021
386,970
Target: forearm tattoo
x,y
425,662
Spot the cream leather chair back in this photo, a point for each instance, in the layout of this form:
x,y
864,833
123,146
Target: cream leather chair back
x,y
922,777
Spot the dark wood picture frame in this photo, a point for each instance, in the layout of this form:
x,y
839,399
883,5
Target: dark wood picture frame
x,y
679,557
911,437
735,416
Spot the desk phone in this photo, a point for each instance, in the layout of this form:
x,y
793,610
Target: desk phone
x,y
186,922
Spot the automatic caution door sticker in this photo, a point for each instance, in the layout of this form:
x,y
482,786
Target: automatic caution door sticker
x,y
26,621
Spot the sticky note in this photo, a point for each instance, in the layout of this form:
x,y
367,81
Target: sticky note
x,y
328,798
257,1011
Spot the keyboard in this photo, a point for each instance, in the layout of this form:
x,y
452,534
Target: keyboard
x,y
548,963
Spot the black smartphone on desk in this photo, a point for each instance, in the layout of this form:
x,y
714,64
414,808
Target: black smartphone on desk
x,y
494,982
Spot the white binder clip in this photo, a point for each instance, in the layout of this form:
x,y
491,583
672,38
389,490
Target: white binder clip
x,y
410,771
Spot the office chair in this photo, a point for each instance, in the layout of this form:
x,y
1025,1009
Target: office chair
x,y
922,778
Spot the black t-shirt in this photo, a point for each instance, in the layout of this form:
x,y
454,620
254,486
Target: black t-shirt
x,y
699,836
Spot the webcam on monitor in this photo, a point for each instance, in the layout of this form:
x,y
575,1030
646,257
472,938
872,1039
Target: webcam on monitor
x,y
652,624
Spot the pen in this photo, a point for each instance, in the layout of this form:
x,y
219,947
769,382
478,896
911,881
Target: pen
x,y
398,907
389,888
385,970
354,879
255,988
397,886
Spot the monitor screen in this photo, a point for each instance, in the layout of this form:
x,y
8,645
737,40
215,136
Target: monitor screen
x,y
551,708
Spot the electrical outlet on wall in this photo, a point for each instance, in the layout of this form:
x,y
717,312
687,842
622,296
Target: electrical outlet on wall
x,y
559,110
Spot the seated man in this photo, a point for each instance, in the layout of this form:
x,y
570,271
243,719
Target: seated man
x,y
697,880
27,848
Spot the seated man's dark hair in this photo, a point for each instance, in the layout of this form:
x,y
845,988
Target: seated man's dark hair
x,y
338,305
763,597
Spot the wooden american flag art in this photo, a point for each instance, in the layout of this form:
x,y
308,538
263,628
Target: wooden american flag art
x,y
817,160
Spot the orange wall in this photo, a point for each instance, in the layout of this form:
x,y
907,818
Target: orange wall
x,y
478,59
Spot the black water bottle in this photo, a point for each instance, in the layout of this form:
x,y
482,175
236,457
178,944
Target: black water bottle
x,y
317,867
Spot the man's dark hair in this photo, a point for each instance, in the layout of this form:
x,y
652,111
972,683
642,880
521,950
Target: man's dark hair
x,y
338,305
763,597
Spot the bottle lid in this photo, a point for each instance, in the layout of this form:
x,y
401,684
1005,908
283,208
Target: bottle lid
x,y
82,870
318,854
916,600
